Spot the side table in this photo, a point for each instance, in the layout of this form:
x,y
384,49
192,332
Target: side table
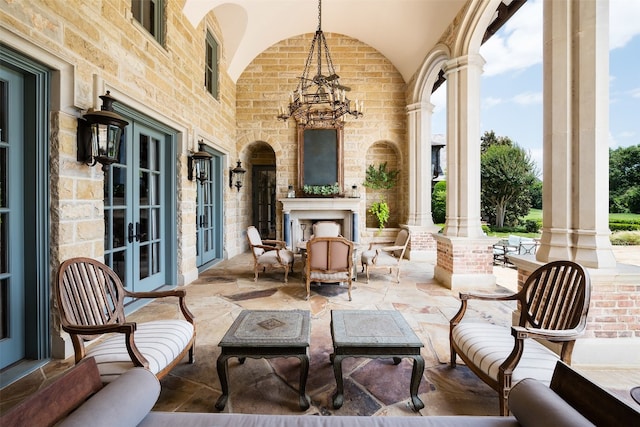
x,y
374,334
265,334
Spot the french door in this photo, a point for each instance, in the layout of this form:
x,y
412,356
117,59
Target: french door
x,y
209,212
263,183
139,219
12,332
24,214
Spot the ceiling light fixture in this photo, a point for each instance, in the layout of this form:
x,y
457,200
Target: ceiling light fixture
x,y
320,101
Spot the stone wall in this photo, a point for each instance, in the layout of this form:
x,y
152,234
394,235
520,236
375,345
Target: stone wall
x,y
266,83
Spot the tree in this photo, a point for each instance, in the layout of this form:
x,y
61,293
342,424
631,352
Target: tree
x,y
536,194
439,202
507,174
490,139
624,175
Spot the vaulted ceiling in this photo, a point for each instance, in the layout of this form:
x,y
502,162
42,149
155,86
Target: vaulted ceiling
x,y
404,31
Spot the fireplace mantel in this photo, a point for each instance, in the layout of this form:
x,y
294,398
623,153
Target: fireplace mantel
x,y
295,210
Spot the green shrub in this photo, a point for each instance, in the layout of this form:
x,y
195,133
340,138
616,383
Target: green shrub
x,y
623,226
620,238
532,226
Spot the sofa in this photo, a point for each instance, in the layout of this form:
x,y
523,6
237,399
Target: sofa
x,y
79,399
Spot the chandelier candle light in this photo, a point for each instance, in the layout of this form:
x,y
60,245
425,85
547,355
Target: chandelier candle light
x,y
320,101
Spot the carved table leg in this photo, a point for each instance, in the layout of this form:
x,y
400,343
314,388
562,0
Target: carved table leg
x,y
304,373
416,376
222,367
338,397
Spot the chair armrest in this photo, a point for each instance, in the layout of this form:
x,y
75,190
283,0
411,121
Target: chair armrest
x,y
464,297
266,247
392,248
180,293
520,332
127,328
373,245
272,242
123,328
487,297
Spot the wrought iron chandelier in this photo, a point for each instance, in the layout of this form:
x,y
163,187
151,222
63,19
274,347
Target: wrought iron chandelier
x,y
320,101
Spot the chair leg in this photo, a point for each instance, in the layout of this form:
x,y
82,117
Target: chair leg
x,y
349,289
453,355
308,287
192,354
366,269
504,405
286,274
255,274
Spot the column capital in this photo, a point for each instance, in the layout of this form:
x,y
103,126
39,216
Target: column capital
x,y
466,61
420,106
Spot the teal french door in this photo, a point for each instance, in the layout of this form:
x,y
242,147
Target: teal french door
x,y
209,235
12,305
24,214
139,219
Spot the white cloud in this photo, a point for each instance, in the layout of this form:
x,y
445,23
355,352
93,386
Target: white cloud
x,y
528,98
635,93
490,101
624,16
518,45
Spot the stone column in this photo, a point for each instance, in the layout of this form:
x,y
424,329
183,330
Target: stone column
x,y
420,224
464,253
463,146
576,126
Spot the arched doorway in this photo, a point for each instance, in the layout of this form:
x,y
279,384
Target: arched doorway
x,y
263,185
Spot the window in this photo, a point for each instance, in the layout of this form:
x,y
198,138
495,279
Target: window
x,y
149,13
211,66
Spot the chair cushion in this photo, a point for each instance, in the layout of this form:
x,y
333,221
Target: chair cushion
x,y
160,341
384,259
536,405
271,257
125,402
489,345
330,277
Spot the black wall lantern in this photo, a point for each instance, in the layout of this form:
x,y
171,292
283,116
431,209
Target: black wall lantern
x,y
236,176
198,164
99,135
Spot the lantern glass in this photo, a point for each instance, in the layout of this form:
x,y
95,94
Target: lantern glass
x,y
106,141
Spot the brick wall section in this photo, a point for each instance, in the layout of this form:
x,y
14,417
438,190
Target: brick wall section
x,y
614,311
265,85
422,241
465,257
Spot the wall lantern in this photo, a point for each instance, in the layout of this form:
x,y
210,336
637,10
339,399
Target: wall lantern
x,y
236,176
198,165
99,135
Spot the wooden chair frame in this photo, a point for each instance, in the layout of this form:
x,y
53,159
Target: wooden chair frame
x,y
553,304
268,245
90,299
390,249
325,260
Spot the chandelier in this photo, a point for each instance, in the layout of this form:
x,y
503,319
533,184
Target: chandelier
x,y
320,101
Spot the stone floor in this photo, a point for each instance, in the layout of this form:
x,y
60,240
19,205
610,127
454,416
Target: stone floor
x,y
372,387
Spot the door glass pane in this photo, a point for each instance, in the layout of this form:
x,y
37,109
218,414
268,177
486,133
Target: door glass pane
x,y
144,151
119,265
154,154
4,253
154,188
155,258
144,225
154,232
144,261
119,229
4,308
144,188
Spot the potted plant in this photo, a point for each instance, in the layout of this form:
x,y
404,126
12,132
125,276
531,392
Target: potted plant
x,y
379,178
322,190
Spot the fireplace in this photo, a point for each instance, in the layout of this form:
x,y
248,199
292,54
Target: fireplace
x,y
299,214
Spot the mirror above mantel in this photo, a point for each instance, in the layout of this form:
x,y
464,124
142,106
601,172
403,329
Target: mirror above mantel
x,y
320,156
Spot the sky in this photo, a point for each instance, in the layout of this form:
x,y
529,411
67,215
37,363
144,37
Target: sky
x,y
511,91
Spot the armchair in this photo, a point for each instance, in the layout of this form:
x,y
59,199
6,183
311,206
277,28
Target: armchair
x,y
325,229
269,254
329,260
386,255
553,304
90,298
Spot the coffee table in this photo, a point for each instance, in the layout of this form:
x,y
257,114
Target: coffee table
x,y
374,334
265,334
